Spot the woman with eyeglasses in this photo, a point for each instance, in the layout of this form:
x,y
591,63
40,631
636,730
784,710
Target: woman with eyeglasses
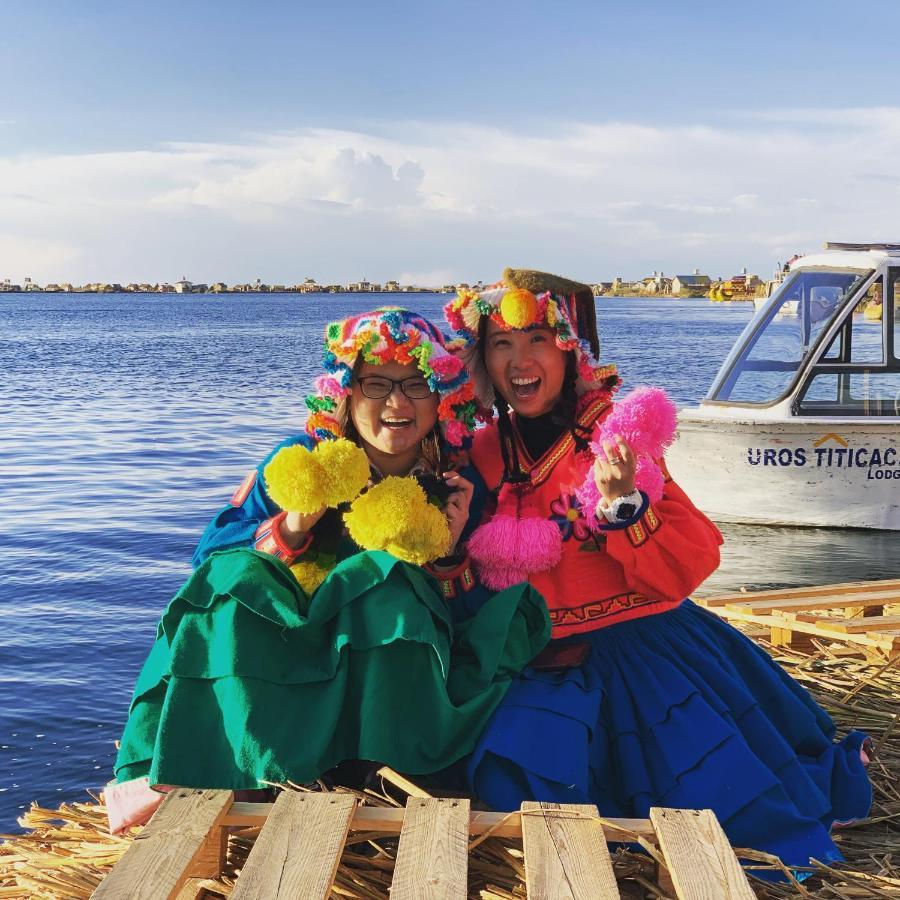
x,y
331,616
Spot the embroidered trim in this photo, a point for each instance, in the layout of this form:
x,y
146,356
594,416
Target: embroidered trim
x,y
544,466
597,609
268,539
455,581
244,488
637,535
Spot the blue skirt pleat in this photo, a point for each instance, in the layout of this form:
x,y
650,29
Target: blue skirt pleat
x,y
680,710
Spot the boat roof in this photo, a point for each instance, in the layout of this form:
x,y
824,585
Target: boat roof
x,y
848,256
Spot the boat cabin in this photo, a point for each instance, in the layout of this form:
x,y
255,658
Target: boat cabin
x,y
826,343
802,424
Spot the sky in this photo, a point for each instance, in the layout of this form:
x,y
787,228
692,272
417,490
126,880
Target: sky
x,y
434,142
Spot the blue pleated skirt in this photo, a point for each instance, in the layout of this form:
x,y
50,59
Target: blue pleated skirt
x,y
680,710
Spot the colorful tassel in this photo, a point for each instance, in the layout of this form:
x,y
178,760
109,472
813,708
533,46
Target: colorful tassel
x,y
516,542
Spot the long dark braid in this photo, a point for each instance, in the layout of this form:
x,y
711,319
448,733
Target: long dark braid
x,y
509,452
565,413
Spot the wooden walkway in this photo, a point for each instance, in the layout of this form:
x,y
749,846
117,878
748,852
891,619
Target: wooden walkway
x,y
299,847
854,613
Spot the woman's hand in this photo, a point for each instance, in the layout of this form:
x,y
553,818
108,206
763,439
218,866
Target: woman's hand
x,y
615,474
295,526
457,507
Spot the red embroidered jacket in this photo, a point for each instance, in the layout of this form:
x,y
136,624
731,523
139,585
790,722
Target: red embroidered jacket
x,y
622,573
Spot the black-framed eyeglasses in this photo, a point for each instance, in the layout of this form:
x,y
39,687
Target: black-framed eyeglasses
x,y
377,387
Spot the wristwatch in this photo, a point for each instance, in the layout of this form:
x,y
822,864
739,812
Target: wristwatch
x,y
623,508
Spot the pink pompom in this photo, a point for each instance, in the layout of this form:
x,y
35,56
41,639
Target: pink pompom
x,y
455,431
447,366
649,478
588,497
329,386
516,542
646,419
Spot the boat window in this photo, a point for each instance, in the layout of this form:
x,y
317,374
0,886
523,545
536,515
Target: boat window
x,y
866,392
766,358
861,338
893,307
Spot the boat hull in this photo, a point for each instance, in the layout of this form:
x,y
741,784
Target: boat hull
x,y
821,473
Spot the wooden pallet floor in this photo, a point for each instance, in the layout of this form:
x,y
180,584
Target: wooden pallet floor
x,y
303,835
865,614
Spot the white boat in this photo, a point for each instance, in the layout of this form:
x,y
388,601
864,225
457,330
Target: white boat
x,y
789,308
802,423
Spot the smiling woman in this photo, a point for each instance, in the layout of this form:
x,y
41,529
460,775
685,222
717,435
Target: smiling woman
x,y
641,699
306,594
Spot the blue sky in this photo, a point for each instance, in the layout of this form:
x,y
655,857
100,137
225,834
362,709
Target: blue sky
x,y
341,140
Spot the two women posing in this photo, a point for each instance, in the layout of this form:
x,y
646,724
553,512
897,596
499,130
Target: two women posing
x,y
363,628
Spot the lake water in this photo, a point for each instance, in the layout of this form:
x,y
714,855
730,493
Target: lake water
x,y
126,421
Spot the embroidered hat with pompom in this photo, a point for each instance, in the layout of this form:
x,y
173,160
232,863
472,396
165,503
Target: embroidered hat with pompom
x,y
527,298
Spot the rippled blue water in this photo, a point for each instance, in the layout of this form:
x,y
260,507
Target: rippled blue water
x,y
127,420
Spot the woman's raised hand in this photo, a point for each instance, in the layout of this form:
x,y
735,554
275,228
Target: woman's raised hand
x,y
615,474
457,507
296,526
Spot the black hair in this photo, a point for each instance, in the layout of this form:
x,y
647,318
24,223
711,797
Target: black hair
x,y
564,414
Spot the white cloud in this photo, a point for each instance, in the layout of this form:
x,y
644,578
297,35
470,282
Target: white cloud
x,y
441,202
32,256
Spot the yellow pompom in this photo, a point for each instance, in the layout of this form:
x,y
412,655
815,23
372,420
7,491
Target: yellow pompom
x,y
294,480
309,575
395,516
345,470
519,308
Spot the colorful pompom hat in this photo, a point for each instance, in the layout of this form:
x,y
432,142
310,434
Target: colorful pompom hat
x,y
392,334
525,298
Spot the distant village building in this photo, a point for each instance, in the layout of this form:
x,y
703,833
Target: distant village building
x,y
392,286
361,287
199,288
601,288
656,284
690,285
309,286
219,287
619,286
184,286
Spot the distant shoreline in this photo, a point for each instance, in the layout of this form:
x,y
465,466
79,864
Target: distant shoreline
x,y
398,294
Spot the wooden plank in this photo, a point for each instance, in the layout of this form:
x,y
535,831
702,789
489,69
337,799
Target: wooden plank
x,y
389,821
861,625
848,587
818,628
183,839
197,889
701,862
299,848
566,857
799,604
433,856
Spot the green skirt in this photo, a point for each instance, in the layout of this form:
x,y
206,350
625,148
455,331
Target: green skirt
x,y
250,680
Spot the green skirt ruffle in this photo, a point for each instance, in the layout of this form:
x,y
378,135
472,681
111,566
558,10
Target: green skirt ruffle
x,y
250,680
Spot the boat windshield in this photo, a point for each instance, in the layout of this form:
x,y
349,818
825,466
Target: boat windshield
x,y
768,354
